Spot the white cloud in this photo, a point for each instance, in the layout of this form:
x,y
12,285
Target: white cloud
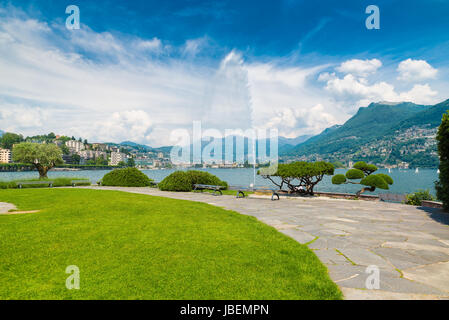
x,y
134,124
359,67
416,70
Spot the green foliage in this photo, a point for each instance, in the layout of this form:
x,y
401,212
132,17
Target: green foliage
x,y
177,181
363,170
338,179
338,164
365,167
131,163
386,177
442,186
415,199
184,180
355,174
375,181
42,156
127,177
203,177
8,139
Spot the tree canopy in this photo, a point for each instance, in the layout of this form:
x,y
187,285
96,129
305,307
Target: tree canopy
x,y
8,139
42,156
364,172
442,186
298,177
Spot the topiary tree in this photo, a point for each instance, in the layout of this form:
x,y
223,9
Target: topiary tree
x,y
42,156
363,171
127,177
442,186
298,177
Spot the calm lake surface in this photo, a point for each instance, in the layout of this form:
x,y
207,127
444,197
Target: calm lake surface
x,y
405,181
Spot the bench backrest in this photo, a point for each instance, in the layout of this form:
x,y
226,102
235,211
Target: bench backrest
x,y
34,182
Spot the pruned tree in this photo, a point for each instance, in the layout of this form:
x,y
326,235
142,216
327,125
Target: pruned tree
x,y
364,172
298,177
42,156
442,185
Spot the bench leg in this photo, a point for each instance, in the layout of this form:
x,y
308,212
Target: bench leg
x,y
273,195
240,194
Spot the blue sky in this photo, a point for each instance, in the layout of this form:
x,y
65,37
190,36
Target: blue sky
x,y
141,69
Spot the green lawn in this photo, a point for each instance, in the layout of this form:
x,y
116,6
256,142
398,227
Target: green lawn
x,y
131,246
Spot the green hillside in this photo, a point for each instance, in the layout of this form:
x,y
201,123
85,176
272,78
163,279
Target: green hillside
x,y
383,133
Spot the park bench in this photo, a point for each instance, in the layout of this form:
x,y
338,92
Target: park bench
x,y
392,197
241,191
22,183
75,182
216,189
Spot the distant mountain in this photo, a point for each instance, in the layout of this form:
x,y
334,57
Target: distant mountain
x,y
379,124
293,141
145,148
1,132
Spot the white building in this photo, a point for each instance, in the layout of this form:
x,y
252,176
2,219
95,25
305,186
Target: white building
x,y
75,146
91,154
117,157
5,156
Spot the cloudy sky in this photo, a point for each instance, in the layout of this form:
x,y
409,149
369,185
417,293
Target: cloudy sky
x,y
137,70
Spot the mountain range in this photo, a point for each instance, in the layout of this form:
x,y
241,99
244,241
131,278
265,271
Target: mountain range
x,y
400,130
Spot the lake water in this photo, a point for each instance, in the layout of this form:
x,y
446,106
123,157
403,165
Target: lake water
x,y
405,181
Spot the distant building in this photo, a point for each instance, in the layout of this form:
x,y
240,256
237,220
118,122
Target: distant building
x,y
91,154
75,146
117,157
5,156
160,155
100,146
350,164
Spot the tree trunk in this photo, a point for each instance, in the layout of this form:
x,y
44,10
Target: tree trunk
x,y
42,171
371,189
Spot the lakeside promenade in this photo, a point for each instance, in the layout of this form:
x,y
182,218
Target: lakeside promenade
x,y
409,245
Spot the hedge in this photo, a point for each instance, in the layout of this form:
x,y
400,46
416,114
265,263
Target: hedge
x,y
127,177
185,180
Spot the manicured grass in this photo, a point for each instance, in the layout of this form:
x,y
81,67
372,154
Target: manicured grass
x,y
131,246
57,182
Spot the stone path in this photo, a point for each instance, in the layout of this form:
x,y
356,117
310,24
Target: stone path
x,y
5,207
409,246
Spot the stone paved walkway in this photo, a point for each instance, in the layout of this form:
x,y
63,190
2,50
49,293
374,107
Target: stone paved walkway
x,y
410,246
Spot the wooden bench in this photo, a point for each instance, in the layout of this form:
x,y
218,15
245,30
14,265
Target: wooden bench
x,y
23,183
241,192
216,189
75,182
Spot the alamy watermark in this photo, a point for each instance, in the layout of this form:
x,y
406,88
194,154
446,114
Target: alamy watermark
x,y
72,281
373,280
373,20
73,20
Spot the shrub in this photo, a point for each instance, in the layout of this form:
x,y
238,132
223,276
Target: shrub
x,y
338,179
127,177
203,177
355,174
184,180
177,181
415,199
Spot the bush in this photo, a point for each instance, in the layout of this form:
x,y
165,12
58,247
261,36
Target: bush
x,y
177,181
355,174
338,179
184,180
203,177
127,177
415,199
